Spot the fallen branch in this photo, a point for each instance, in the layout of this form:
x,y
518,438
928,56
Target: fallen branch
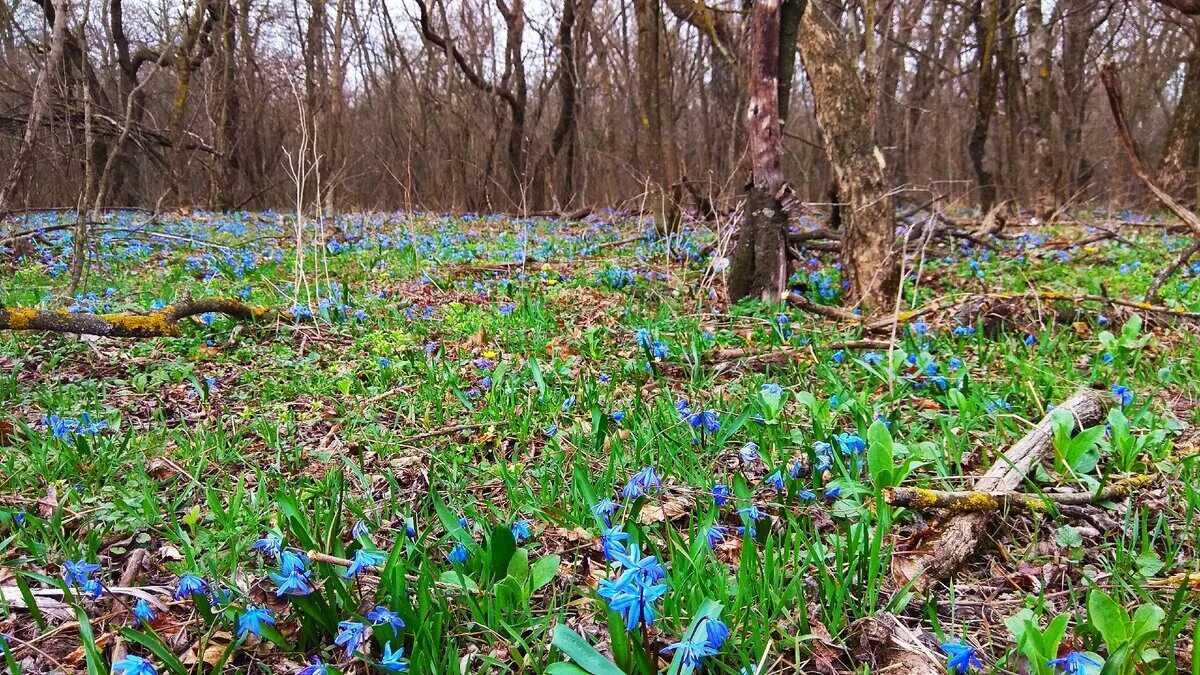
x,y
736,354
970,501
1170,270
161,323
1112,87
962,533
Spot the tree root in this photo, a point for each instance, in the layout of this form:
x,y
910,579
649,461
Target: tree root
x,y
970,501
161,323
961,535
886,323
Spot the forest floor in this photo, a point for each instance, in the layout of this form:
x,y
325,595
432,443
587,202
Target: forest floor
x,y
501,446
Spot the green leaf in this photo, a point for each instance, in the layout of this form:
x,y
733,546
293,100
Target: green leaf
x,y
1148,563
156,646
518,566
458,580
1147,619
536,371
880,454
450,523
564,668
1068,536
1109,618
501,548
544,570
573,645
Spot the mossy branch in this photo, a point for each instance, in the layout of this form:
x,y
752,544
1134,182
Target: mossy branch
x,y
974,501
160,323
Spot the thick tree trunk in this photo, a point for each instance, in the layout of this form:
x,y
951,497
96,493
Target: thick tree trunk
x,y
1045,197
654,107
1179,169
1077,33
760,259
869,261
986,19
38,104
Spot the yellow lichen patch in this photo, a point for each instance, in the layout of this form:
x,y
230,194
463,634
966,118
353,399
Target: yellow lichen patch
x,y
21,318
924,499
153,324
977,501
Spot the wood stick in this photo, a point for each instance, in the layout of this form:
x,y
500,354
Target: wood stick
x,y
961,535
967,501
162,323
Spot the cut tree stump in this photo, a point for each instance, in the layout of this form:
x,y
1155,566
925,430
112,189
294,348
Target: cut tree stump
x,y
961,535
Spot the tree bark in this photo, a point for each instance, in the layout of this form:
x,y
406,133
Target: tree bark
x,y
1046,185
869,261
654,108
985,16
760,259
38,104
1179,169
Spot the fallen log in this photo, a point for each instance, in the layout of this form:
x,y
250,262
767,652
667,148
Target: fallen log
x,y
160,323
961,535
974,501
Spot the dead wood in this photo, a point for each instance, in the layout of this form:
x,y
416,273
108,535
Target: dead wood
x,y
962,534
161,323
973,501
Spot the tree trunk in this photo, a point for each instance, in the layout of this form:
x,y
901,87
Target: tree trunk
x,y
1179,169
37,105
760,259
654,107
1077,33
986,22
1045,197
869,262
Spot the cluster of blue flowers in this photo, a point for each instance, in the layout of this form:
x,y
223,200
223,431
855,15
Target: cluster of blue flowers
x,y
63,428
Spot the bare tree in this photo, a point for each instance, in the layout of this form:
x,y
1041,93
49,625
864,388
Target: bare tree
x,y
657,145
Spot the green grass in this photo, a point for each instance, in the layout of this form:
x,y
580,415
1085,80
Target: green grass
x,y
217,438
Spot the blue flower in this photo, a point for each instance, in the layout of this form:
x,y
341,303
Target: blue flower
x,y
134,665
551,431
851,443
252,620
644,568
782,319
359,530
839,356
961,657
315,667
391,660
269,545
642,482
189,584
642,337
749,452
143,612
720,494
350,635
919,327
382,615
364,560
618,416
1122,393
604,510
716,534
1030,340
610,542
78,573
633,600
410,529
772,389
832,492
1075,663
692,652
806,495
776,480
659,350
750,512
711,420
964,330
459,554
717,633
568,404
507,308
93,589
873,358
955,363
521,530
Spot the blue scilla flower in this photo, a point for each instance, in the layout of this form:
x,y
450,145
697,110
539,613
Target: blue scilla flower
x,y
364,560
359,530
93,589
143,612
269,546
645,568
1030,340
806,495
134,665
751,512
964,330
772,389
382,615
955,363
711,420
604,509
1075,663
618,416
642,337
551,431
960,657
692,652
521,530
641,483
832,492
568,404
782,319
839,356
350,635
252,620
610,542
716,633
632,600
720,494
659,350
315,667
851,443
459,554
78,573
1122,393
392,661
776,480
749,452
189,584
716,534
873,358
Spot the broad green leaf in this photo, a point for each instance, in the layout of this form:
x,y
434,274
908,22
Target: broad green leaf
x,y
518,566
501,547
573,645
1109,618
459,580
543,571
880,454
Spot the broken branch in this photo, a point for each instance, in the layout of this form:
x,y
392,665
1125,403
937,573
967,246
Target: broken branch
x,y
969,501
161,323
